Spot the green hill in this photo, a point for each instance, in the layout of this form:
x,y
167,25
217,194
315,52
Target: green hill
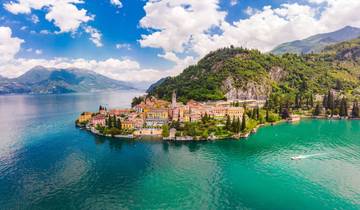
x,y
237,73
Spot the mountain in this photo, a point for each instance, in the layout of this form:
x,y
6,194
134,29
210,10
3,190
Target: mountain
x,y
159,82
40,80
237,73
317,42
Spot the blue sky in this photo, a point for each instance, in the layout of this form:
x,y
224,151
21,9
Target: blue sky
x,y
138,40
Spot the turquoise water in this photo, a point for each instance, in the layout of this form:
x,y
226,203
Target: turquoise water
x,y
46,163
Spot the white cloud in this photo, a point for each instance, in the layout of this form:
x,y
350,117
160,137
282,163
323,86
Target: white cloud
x,y
64,14
176,22
95,35
34,19
38,52
250,11
9,46
116,3
67,16
45,32
123,46
234,2
183,26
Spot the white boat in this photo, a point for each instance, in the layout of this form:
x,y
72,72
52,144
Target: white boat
x,y
296,158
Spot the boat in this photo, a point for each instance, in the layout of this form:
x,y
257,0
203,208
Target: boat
x,y
296,158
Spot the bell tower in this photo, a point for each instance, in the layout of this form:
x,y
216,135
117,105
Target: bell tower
x,y
173,101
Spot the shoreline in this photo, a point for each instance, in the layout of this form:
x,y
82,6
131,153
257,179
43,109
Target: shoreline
x,y
238,137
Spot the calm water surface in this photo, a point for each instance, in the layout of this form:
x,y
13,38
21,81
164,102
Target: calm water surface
x,y
46,163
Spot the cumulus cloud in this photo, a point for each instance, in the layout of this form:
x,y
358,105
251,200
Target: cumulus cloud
x,y
234,2
116,3
9,45
95,35
184,26
121,69
63,14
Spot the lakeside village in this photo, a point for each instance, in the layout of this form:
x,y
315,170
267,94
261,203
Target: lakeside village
x,y
160,119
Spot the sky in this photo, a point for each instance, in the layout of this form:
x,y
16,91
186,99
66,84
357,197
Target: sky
x,y
144,40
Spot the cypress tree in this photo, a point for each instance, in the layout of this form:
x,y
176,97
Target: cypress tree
x,y
243,123
325,102
267,115
317,110
119,123
355,110
343,108
233,125
228,123
311,101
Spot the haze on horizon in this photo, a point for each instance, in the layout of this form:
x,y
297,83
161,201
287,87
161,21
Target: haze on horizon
x,y
143,41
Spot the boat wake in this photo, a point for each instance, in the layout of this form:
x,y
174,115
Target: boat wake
x,y
300,157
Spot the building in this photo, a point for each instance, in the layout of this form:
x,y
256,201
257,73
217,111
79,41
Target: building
x,y
235,112
148,132
98,120
85,117
157,117
119,112
127,124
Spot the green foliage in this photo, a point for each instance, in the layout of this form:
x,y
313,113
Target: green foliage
x,y
165,131
299,78
137,100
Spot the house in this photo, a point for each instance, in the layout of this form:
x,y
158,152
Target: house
x,y
148,132
127,124
235,112
98,120
119,112
156,117
85,117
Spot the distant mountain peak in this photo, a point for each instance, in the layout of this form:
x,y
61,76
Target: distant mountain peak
x,y
318,42
44,80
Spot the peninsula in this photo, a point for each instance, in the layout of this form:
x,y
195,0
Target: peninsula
x,y
232,91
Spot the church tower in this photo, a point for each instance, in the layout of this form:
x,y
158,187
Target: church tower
x,y
173,101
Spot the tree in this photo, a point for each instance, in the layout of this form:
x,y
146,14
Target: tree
x,y
119,123
233,125
243,123
317,110
325,102
267,115
331,102
285,113
228,123
311,101
355,113
343,108
165,131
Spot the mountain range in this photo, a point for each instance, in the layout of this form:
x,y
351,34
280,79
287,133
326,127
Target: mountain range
x,y
41,80
317,43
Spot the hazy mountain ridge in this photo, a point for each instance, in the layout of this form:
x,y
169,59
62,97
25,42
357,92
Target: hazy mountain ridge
x,y
40,80
317,43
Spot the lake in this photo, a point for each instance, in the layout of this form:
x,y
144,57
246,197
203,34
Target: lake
x,y
47,163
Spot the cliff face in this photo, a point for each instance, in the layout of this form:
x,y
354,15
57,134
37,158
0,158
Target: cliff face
x,y
250,90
